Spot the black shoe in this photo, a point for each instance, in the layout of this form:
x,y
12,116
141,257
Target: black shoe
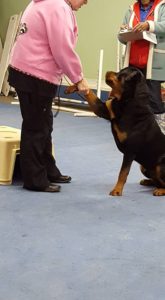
x,y
61,179
49,189
52,188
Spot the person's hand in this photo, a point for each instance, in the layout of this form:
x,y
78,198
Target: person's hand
x,y
83,86
124,26
142,26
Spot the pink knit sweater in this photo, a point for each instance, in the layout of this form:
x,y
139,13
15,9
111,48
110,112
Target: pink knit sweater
x,y
46,40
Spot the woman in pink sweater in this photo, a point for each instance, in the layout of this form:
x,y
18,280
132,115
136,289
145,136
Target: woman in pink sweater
x,y
42,54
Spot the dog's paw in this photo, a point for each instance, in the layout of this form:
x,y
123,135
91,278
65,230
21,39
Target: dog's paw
x,y
147,182
159,192
115,192
71,89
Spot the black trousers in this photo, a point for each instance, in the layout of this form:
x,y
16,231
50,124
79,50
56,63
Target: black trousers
x,y
38,165
154,86
156,102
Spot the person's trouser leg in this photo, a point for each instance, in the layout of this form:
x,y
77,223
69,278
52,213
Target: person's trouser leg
x,y
50,163
156,102
35,155
154,87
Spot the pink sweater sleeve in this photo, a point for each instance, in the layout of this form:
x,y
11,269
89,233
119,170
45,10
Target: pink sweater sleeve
x,y
62,35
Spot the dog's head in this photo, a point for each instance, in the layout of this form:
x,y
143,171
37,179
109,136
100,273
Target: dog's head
x,y
124,82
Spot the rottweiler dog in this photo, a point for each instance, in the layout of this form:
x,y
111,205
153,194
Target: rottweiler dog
x,y
135,130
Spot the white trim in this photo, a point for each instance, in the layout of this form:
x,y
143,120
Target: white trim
x,y
127,55
128,46
149,62
131,18
151,25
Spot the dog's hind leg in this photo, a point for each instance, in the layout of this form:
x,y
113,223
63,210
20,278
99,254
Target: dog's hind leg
x,y
146,182
160,177
159,192
124,171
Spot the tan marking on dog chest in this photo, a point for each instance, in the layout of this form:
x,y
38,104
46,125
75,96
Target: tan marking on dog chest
x,y
121,135
109,107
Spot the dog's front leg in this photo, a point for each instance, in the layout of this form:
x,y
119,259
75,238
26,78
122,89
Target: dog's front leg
x,y
124,171
91,98
96,105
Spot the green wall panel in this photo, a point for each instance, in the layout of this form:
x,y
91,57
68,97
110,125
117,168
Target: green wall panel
x,y
98,22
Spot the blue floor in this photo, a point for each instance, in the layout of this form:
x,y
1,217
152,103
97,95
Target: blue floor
x,y
81,244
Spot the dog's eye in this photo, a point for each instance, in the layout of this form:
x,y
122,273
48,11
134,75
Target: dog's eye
x,y
110,81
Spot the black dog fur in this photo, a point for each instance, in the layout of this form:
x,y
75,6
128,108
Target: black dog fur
x,y
135,130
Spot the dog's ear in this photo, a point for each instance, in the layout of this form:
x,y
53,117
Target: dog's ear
x,y
71,89
134,75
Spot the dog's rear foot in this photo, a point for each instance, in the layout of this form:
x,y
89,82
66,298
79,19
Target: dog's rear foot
x,y
147,182
159,192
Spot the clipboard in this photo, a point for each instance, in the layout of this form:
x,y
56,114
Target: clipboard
x,y
129,35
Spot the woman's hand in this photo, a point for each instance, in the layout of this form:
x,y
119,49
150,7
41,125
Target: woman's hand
x,y
83,86
142,26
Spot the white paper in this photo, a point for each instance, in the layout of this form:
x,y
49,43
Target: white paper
x,y
129,35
